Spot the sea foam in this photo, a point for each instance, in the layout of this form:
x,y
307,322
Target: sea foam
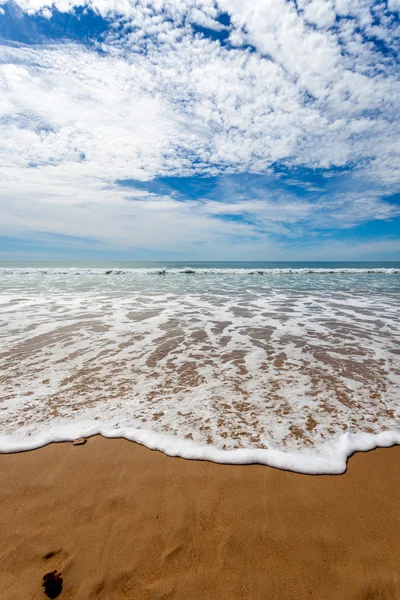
x,y
225,371
134,272
331,461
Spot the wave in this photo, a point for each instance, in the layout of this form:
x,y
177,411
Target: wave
x,y
198,271
294,381
332,460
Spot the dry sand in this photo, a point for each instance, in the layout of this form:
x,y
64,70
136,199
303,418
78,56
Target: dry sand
x,y
122,521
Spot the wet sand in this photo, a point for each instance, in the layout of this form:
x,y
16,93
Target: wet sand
x,y
122,521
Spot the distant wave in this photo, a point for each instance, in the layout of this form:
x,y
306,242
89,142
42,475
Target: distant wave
x,y
196,271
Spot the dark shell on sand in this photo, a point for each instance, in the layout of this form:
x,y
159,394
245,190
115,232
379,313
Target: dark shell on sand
x,y
52,583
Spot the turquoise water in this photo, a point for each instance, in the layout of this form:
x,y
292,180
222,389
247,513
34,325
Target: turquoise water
x,y
184,277
206,264
290,364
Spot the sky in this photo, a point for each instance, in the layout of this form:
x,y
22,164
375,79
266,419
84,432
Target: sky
x,y
200,129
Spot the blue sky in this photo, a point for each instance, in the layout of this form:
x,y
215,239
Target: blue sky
x,y
200,129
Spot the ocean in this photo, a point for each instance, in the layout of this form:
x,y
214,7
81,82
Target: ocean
x,y
293,365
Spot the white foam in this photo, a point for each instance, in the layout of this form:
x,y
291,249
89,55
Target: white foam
x,y
332,461
197,271
289,378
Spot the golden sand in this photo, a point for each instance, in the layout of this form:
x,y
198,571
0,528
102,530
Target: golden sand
x,y
124,522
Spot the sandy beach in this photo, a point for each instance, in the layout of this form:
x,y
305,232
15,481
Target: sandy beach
x,y
121,521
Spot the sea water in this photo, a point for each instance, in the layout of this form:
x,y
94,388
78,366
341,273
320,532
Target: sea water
x,y
294,365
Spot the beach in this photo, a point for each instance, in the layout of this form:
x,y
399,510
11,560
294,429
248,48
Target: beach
x,y
199,300
121,521
294,367
220,403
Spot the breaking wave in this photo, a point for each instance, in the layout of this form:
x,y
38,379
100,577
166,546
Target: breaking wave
x,y
196,271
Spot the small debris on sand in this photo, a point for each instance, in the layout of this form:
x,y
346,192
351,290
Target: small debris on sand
x,y
52,583
79,442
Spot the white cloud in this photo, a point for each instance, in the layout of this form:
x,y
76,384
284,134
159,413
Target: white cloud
x,y
75,120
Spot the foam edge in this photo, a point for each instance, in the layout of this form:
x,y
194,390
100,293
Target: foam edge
x,y
332,461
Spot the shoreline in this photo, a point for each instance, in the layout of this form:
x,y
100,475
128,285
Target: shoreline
x,y
331,462
122,521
